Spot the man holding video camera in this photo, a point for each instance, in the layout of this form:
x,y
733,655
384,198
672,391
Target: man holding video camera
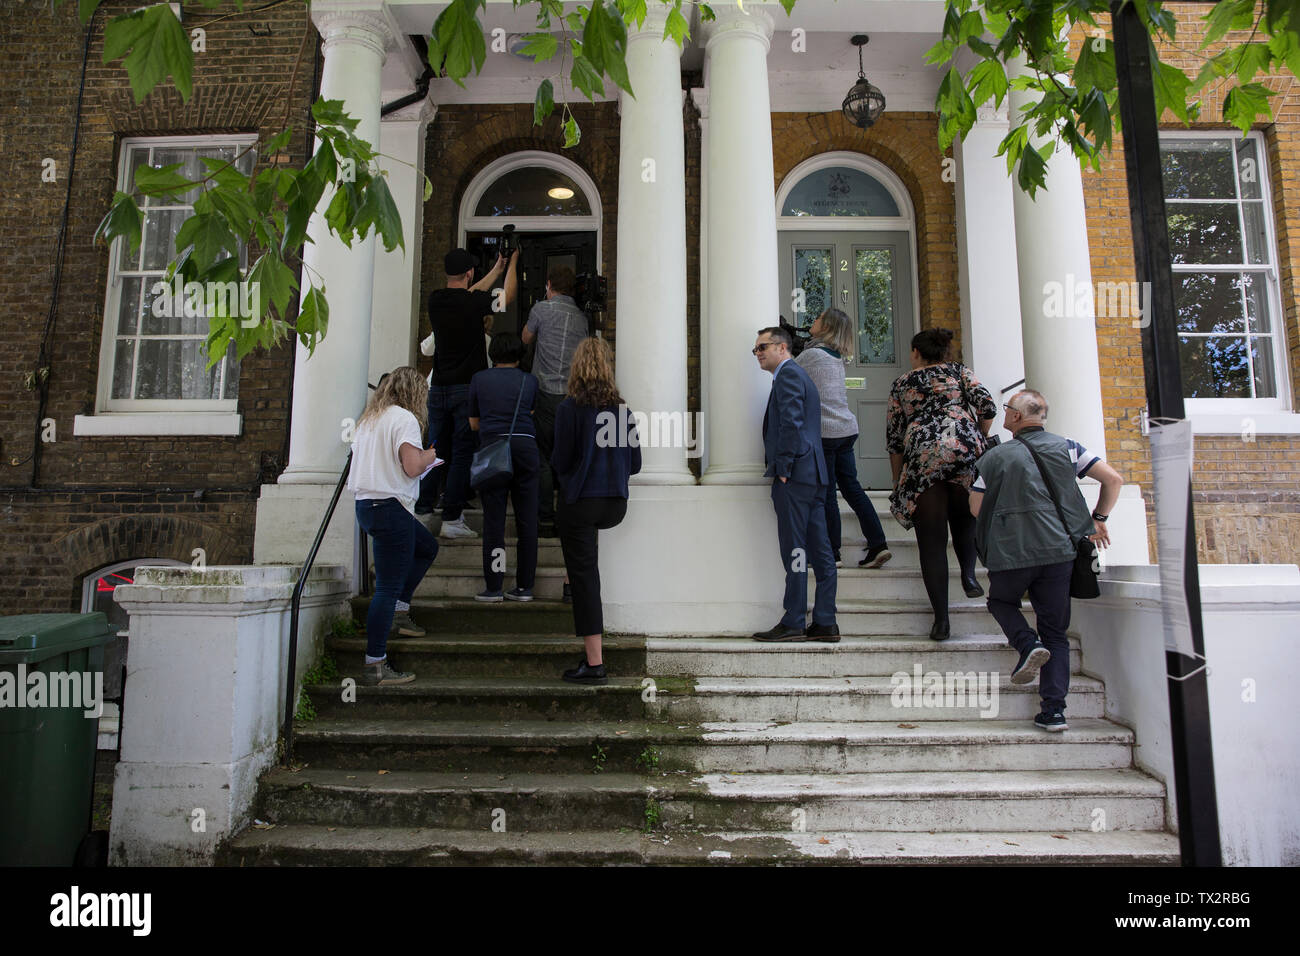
x,y
460,314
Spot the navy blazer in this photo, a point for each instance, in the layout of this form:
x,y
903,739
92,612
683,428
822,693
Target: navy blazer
x,y
792,428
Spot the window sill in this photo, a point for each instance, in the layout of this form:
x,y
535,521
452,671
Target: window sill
x,y
1262,423
225,424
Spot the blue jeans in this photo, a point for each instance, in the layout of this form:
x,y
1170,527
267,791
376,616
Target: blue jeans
x,y
449,424
842,463
403,550
522,490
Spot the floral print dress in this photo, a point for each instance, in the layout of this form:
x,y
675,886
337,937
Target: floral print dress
x,y
932,421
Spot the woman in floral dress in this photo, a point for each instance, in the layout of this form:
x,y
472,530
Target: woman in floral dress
x,y
936,427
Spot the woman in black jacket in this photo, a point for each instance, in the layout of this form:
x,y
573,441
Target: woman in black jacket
x,y
596,451
494,396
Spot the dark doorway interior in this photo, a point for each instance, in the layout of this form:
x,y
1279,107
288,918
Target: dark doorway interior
x,y
539,251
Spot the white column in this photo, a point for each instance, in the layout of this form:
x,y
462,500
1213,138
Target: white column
x,y
395,303
652,251
740,213
330,386
1052,253
988,278
701,98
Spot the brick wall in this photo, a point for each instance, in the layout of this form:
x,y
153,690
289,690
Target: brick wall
x,y
1246,492
138,495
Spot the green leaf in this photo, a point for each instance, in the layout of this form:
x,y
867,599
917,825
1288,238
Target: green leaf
x,y
1171,86
224,173
585,79
1227,15
162,181
122,219
86,9
634,11
1279,12
1032,174
379,210
604,43
1095,69
540,46
1252,58
277,142
330,113
988,82
275,282
788,5
459,37
571,133
677,27
159,47
544,103
1244,103
313,318
209,235
981,47
305,192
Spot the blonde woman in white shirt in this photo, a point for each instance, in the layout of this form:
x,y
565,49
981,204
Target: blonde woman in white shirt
x,y
388,457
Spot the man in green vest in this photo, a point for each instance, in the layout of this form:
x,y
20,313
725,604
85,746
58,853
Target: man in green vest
x,y
1026,546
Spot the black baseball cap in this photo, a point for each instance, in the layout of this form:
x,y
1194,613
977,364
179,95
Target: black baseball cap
x,y
458,262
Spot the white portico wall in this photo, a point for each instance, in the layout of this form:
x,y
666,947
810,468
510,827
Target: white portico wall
x,y
395,300
329,385
651,370
1060,351
743,291
207,681
988,278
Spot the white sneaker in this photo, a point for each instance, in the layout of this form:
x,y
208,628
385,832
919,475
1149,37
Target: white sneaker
x,y
457,529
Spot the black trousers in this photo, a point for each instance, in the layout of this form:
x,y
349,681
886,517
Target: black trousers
x,y
522,491
544,423
1049,593
578,525
942,507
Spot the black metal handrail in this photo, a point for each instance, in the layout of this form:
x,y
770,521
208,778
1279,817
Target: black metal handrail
x,y
290,696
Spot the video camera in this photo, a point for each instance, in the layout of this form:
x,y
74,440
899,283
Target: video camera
x,y
799,338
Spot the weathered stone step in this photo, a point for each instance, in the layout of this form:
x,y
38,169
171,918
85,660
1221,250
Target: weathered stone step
x,y
871,617
558,746
972,801
493,654
467,616
489,698
311,845
853,656
909,697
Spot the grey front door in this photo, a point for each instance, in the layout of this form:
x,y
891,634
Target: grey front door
x,y
867,275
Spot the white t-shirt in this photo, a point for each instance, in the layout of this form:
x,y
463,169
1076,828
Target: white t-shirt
x,y
376,464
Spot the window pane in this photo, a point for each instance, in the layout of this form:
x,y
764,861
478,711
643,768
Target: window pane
x,y
1215,367
875,276
123,362
533,191
191,168
839,191
1248,171
176,368
812,273
1208,302
138,157
163,317
1257,313
1204,233
1261,355
160,228
1197,169
129,306
1256,232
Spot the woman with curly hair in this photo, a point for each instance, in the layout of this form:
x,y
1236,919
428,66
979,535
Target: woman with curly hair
x,y
936,426
596,451
388,458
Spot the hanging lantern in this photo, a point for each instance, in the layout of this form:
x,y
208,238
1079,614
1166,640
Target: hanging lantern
x,y
864,104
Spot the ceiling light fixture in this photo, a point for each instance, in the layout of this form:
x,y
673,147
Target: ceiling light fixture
x,y
864,104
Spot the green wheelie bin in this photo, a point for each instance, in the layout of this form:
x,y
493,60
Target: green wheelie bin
x,y
51,685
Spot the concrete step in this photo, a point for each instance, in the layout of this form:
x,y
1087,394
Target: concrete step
x,y
454,616
497,654
966,616
977,801
851,699
619,746
853,656
311,845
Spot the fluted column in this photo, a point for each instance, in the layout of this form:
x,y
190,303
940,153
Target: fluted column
x,y
1058,322
651,367
740,224
330,385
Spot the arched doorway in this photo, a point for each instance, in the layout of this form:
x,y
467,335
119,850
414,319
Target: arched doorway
x,y
847,239
555,209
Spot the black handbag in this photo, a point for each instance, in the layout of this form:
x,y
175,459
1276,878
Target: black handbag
x,y
492,465
1083,578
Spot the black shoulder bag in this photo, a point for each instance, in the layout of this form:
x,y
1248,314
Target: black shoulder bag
x,y
1083,579
492,464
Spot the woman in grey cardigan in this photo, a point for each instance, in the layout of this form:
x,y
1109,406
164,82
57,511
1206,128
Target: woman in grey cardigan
x,y
823,360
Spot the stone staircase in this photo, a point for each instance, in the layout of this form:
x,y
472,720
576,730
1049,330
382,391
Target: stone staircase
x,y
703,749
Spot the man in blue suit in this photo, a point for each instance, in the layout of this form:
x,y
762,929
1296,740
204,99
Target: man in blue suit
x,y
792,443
